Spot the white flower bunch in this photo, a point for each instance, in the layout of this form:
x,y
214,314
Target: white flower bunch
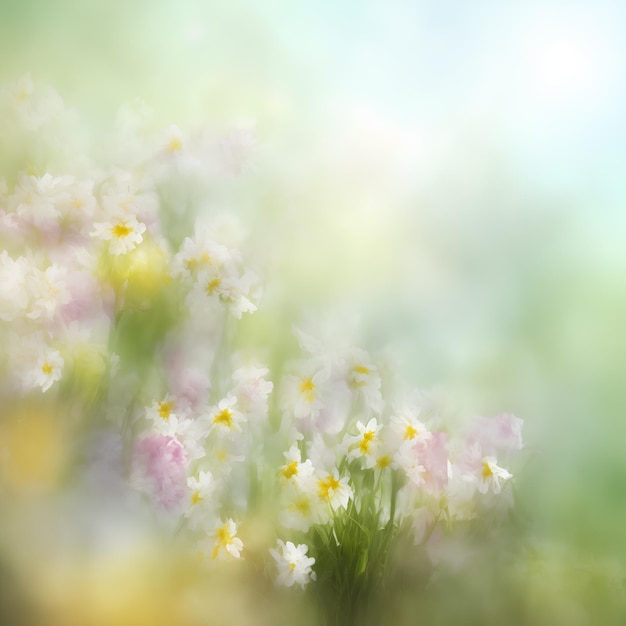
x,y
358,464
108,286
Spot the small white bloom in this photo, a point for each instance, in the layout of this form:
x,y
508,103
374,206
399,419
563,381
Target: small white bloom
x,y
49,290
491,475
294,566
202,505
335,491
226,541
304,394
123,233
225,417
172,140
405,424
294,470
36,200
162,411
365,443
49,369
363,376
122,196
197,255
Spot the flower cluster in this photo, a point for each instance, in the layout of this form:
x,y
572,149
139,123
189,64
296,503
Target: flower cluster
x,y
355,454
119,274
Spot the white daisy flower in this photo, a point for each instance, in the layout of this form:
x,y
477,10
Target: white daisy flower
x,y
226,541
365,443
48,370
332,489
294,470
123,233
491,476
294,566
225,417
363,376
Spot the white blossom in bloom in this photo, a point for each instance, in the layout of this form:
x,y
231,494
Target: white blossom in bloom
x,y
14,297
223,287
491,476
37,200
162,411
201,504
334,490
294,470
366,442
198,254
239,292
407,427
80,205
383,455
294,566
49,291
48,370
123,196
172,141
364,378
225,417
226,541
123,233
301,507
304,394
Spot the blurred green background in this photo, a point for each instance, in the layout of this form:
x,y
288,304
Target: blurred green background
x,y
452,173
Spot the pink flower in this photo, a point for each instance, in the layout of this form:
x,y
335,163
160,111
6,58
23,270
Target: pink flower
x,y
432,456
159,470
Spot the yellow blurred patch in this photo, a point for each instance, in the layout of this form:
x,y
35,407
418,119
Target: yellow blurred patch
x,y
140,274
33,448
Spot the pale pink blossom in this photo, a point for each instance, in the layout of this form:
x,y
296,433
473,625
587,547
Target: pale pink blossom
x,y
159,469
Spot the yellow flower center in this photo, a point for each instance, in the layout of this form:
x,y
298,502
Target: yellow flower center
x,y
223,538
175,144
291,470
487,472
212,285
324,487
359,369
366,441
46,368
383,461
302,505
307,387
121,230
195,498
292,566
410,432
165,409
224,417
